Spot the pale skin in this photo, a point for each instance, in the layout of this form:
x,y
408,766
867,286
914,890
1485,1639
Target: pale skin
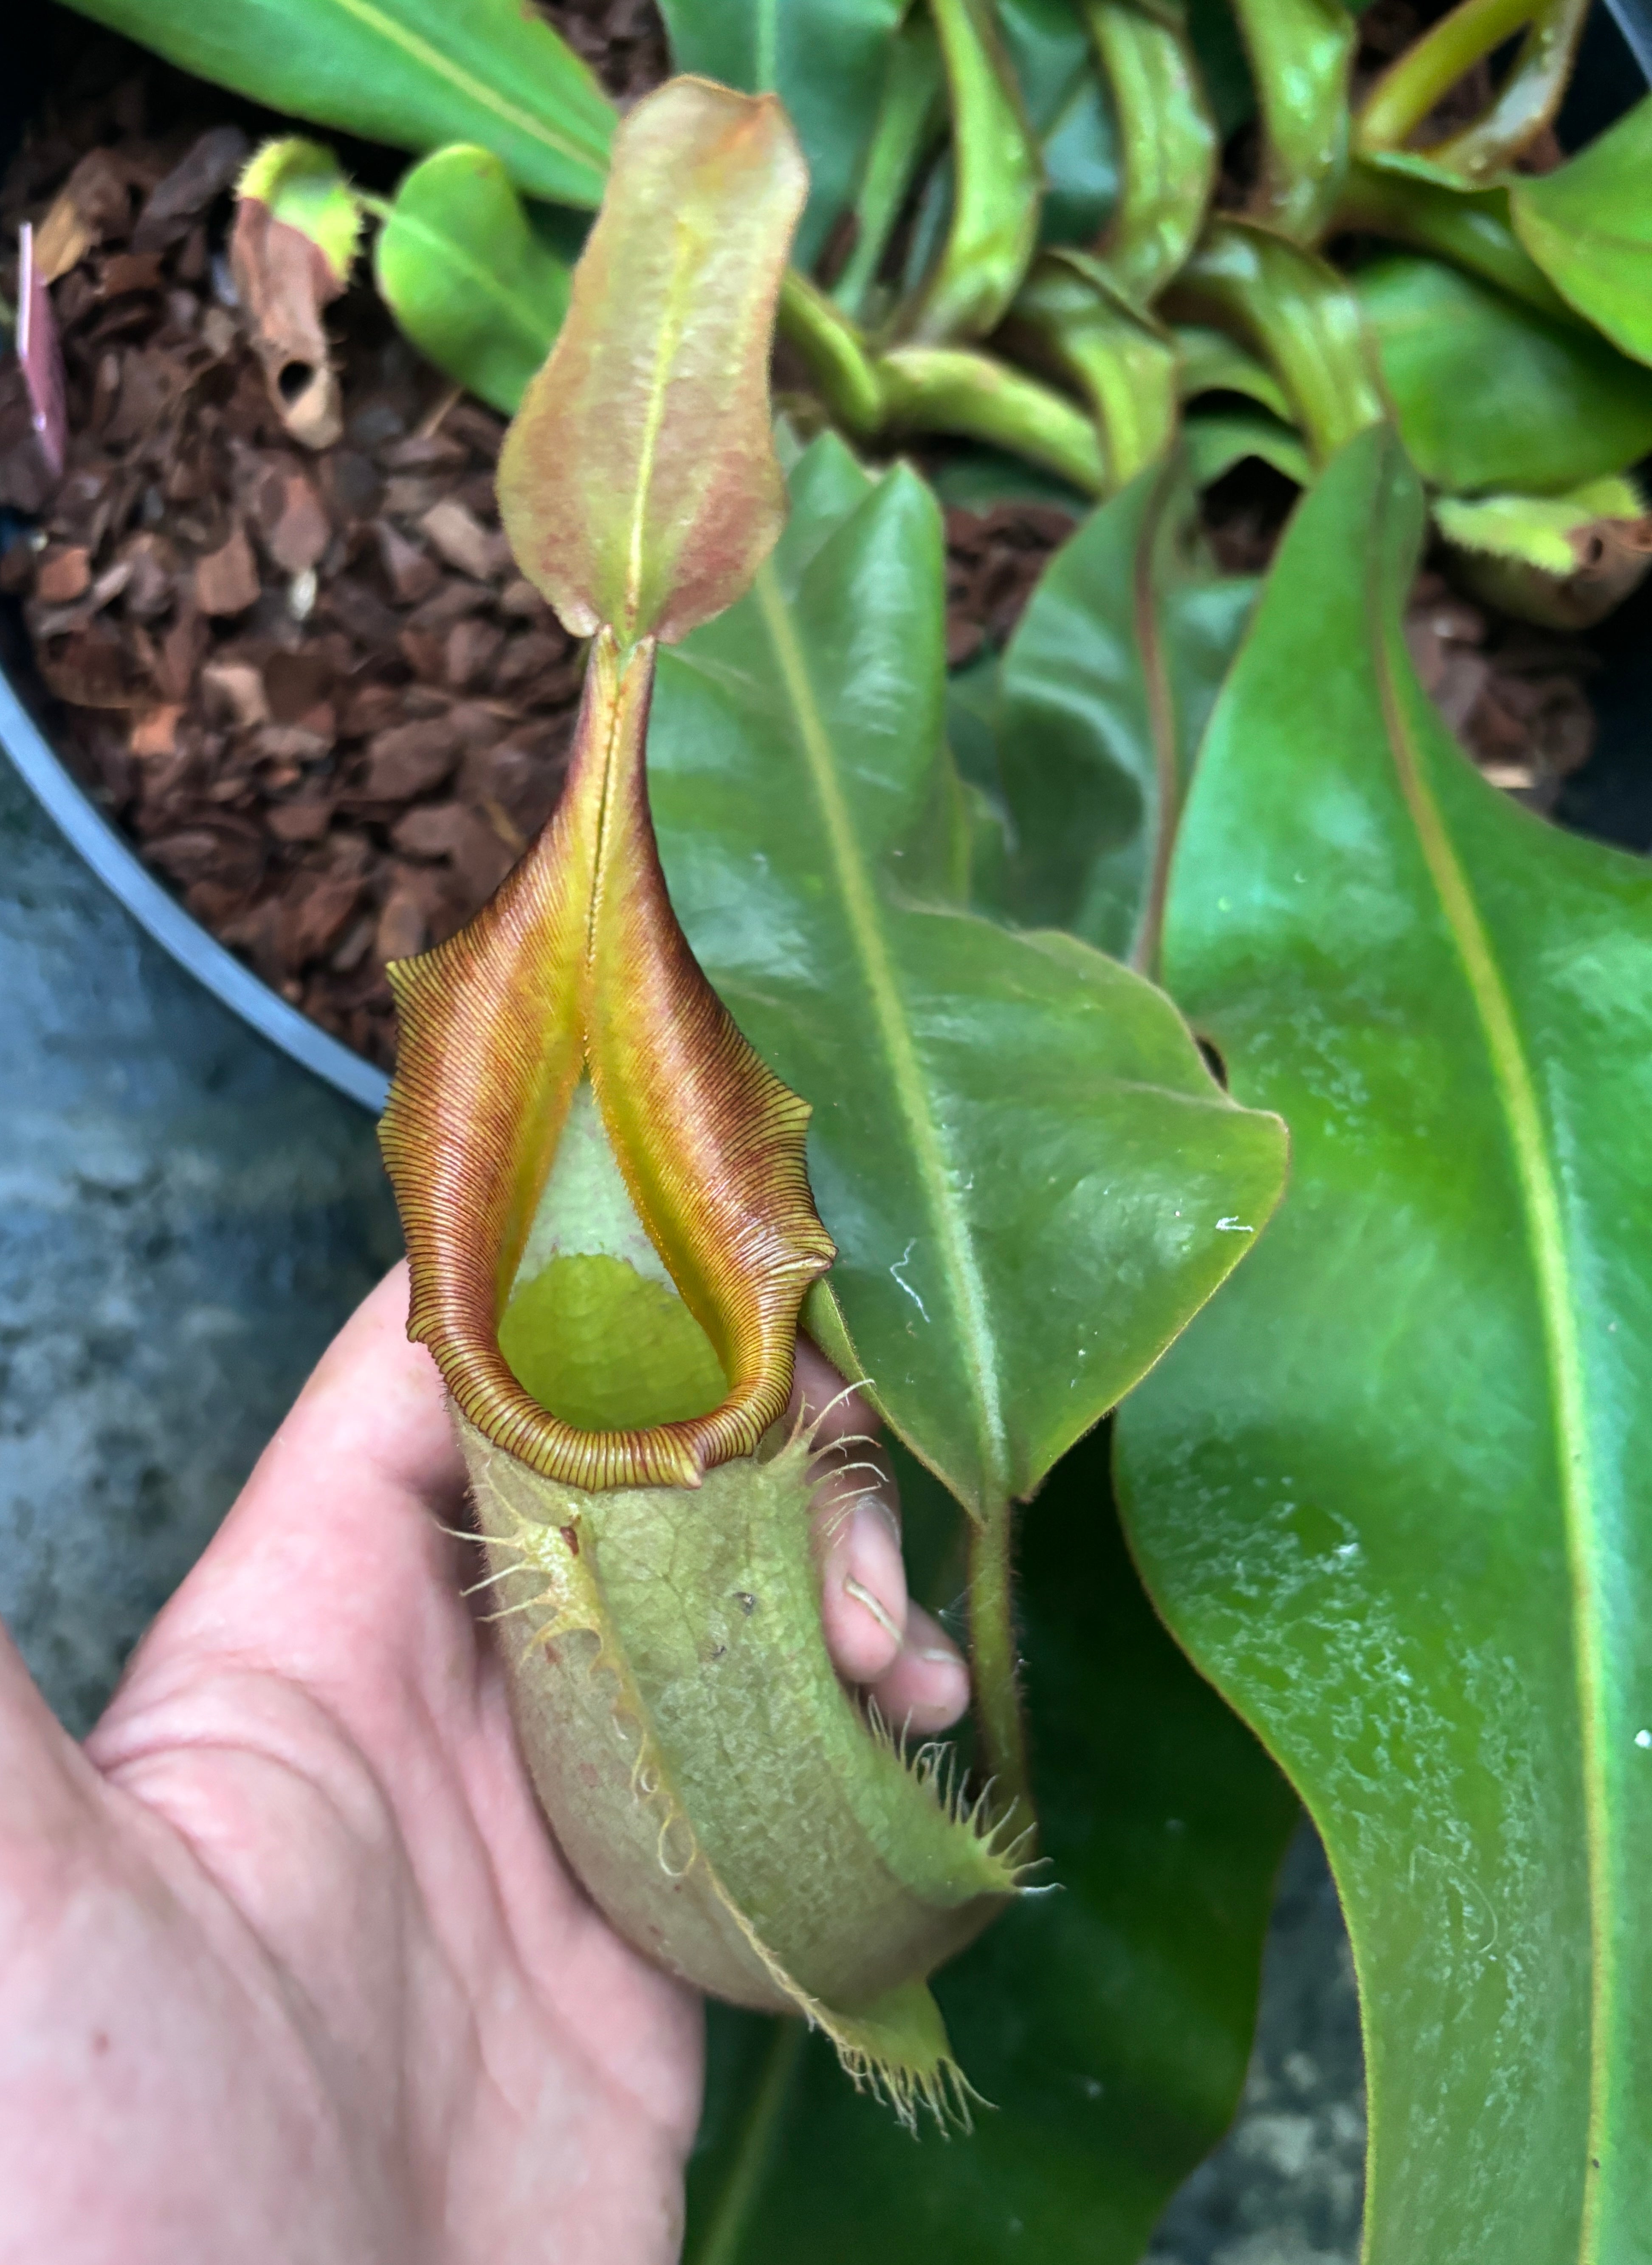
x,y
291,1972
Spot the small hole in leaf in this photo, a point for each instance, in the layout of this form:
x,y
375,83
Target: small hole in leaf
x,y
293,379
1213,1062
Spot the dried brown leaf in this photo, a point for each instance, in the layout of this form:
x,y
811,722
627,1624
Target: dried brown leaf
x,y
206,169
284,281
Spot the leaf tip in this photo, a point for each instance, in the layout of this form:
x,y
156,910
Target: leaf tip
x,y
638,485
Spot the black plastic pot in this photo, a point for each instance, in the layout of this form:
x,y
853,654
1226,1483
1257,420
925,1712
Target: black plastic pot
x,y
1611,798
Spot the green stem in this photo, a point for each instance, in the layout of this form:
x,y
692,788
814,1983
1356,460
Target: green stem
x,y
993,1664
727,2230
949,390
1298,314
1122,364
937,389
1527,99
998,183
907,116
835,353
1300,57
1414,82
1166,140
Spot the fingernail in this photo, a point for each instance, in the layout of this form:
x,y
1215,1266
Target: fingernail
x,y
873,1572
873,1513
871,1550
862,1595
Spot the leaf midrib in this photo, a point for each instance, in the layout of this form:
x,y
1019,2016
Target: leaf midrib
x,y
683,274
765,45
1546,1234
860,898
1161,707
421,51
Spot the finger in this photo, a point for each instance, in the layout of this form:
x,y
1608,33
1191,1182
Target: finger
x,y
320,1669
856,1523
864,1605
376,1400
45,1786
926,1687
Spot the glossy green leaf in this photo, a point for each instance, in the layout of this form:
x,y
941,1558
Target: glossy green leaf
x,y
1396,195
1048,51
1296,311
999,1121
1050,54
1167,139
978,479
1209,361
1528,93
997,183
988,837
1079,149
1123,362
1491,394
1589,227
462,272
1216,440
1394,1491
1300,51
926,229
1026,60
413,73
1107,2022
1106,687
825,59
911,110
1050,61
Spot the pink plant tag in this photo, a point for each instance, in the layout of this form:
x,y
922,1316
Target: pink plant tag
x,y
41,353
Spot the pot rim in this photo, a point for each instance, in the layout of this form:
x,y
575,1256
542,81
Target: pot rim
x,y
158,912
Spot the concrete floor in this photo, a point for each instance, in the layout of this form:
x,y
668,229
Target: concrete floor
x,y
184,1219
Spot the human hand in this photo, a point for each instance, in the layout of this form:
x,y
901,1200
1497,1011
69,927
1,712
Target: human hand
x,y
291,1972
